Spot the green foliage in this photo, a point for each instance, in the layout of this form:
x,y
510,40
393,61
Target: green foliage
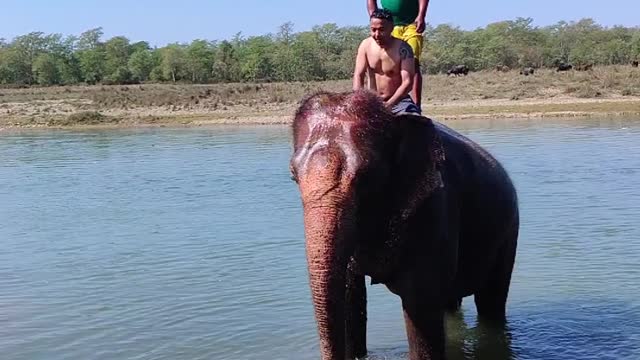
x,y
326,52
90,39
45,69
92,64
258,59
226,65
140,64
173,62
6,69
157,75
116,57
199,61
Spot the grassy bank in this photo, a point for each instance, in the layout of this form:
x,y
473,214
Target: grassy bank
x,y
603,91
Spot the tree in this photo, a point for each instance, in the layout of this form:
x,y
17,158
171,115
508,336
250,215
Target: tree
x,y
92,64
255,59
90,39
25,50
116,56
91,55
447,46
326,52
140,64
45,69
6,73
139,46
285,63
173,62
308,55
199,60
225,64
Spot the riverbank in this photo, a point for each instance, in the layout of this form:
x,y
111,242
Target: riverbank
x,y
603,92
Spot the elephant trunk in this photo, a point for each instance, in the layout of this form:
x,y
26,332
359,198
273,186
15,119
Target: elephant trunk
x,y
328,232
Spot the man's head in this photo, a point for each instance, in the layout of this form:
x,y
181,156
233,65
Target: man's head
x,y
381,25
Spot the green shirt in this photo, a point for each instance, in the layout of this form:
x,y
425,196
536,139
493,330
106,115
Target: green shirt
x,y
404,12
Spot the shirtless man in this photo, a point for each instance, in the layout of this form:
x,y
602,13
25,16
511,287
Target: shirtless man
x,y
409,20
390,63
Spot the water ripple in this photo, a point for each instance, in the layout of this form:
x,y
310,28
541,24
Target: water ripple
x,y
188,243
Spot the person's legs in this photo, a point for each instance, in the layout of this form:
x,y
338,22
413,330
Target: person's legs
x,y
416,91
414,39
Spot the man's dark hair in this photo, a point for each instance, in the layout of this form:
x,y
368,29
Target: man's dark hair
x,y
382,14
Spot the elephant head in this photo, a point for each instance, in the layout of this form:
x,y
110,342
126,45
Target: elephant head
x,y
361,172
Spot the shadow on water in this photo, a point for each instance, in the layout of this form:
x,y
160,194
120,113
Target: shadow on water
x,y
570,330
481,341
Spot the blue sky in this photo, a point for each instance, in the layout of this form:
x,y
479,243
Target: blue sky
x,y
161,22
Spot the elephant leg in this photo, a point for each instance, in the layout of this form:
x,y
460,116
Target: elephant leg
x,y
355,316
424,320
425,330
453,305
491,299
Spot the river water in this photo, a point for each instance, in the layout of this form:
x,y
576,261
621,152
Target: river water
x,y
188,244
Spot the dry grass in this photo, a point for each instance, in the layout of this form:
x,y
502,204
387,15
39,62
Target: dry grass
x,y
609,81
483,92
82,118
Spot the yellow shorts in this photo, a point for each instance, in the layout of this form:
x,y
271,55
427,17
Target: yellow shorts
x,y
409,34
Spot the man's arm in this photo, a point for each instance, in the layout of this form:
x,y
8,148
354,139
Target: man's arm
x,y
422,13
407,70
361,66
372,5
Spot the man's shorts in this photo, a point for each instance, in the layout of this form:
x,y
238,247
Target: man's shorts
x,y
409,34
406,106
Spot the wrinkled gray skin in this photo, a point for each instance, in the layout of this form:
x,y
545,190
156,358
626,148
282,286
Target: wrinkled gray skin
x,y
412,204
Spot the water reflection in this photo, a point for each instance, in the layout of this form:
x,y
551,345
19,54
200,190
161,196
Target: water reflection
x,y
580,328
480,342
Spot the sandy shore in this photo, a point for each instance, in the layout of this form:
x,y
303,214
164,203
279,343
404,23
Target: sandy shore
x,y
52,113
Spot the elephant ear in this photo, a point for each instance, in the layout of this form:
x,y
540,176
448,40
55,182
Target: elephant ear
x,y
416,170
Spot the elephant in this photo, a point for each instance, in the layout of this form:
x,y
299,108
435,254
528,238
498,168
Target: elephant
x,y
408,202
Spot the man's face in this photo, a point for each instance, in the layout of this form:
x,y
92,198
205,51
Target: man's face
x,y
381,31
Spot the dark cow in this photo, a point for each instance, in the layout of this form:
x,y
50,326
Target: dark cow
x,y
564,67
527,71
584,67
502,68
634,63
458,70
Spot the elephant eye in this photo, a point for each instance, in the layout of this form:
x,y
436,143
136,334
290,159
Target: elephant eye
x,y
292,171
293,176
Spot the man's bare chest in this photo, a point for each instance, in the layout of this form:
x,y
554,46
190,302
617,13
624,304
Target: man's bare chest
x,y
382,62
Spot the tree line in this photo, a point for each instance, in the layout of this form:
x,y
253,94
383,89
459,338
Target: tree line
x,y
326,52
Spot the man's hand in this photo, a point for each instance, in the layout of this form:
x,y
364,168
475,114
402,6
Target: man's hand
x,y
419,24
372,5
422,13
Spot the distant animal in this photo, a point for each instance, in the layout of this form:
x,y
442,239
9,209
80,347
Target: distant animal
x,y
458,70
634,63
564,67
502,68
527,71
584,67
